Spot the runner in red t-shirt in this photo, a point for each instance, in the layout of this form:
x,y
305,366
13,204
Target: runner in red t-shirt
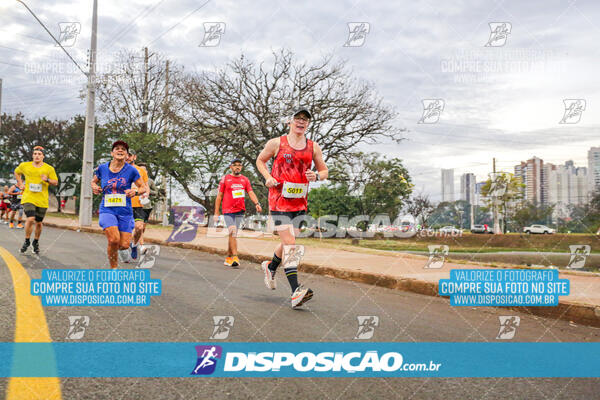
x,y
288,182
232,190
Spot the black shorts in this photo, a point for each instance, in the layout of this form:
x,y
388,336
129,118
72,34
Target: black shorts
x,y
16,206
31,210
141,214
289,218
234,219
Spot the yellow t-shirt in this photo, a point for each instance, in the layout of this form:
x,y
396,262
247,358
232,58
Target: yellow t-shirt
x,y
135,200
36,190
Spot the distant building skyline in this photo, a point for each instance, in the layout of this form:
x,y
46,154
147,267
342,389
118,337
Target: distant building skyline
x,y
447,184
531,175
593,169
467,187
551,184
545,183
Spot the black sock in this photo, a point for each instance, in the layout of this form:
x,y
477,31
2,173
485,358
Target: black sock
x,y
292,276
274,263
35,241
27,241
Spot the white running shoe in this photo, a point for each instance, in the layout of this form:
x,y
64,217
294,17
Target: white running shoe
x,y
301,295
270,281
124,256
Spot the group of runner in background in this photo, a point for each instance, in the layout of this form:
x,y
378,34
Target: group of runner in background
x,y
11,207
126,204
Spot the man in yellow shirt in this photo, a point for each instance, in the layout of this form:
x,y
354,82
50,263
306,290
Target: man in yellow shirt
x,y
139,215
38,176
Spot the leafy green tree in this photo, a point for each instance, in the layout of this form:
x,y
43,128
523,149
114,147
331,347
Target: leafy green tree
x,y
527,213
333,200
583,218
382,185
62,141
454,213
504,192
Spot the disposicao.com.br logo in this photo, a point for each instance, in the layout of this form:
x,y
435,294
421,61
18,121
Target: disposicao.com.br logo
x,y
325,363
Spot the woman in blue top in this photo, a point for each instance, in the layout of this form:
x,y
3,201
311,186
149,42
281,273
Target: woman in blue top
x,y
114,180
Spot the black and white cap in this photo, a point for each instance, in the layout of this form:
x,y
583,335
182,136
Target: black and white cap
x,y
301,109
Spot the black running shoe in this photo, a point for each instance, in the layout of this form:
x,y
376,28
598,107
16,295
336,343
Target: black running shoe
x,y
25,246
35,247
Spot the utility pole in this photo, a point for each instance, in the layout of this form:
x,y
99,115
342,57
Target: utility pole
x,y
85,202
495,208
472,215
166,108
0,103
145,94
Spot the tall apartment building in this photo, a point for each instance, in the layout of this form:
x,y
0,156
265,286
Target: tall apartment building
x,y
547,183
531,175
593,169
447,185
583,188
467,187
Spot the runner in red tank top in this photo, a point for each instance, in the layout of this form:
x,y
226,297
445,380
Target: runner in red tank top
x,y
232,191
290,165
288,182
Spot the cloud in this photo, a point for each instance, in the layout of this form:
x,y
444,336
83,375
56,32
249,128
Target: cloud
x,y
502,102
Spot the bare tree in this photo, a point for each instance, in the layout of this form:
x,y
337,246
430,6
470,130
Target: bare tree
x,y
242,105
133,95
233,111
420,207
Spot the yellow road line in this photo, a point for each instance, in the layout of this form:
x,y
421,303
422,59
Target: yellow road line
x,y
30,327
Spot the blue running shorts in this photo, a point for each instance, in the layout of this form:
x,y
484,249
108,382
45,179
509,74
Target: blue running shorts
x,y
123,222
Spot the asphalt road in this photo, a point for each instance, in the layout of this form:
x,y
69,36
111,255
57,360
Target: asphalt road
x,y
196,286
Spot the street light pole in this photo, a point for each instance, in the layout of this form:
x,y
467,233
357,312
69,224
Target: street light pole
x,y
85,200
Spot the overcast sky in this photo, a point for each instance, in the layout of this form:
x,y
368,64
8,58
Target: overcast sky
x,y
503,101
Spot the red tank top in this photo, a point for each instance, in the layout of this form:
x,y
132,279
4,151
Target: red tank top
x,y
289,169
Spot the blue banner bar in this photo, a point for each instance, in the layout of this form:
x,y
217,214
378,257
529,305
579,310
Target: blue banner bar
x,y
504,287
96,287
299,359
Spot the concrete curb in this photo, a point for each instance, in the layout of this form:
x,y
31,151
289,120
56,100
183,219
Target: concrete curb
x,y
585,314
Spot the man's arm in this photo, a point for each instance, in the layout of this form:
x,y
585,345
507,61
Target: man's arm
x,y
255,201
49,181
322,170
218,203
17,174
52,179
143,188
265,155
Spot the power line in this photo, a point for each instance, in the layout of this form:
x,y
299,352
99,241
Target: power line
x,y
32,37
51,35
174,26
130,25
12,48
14,65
